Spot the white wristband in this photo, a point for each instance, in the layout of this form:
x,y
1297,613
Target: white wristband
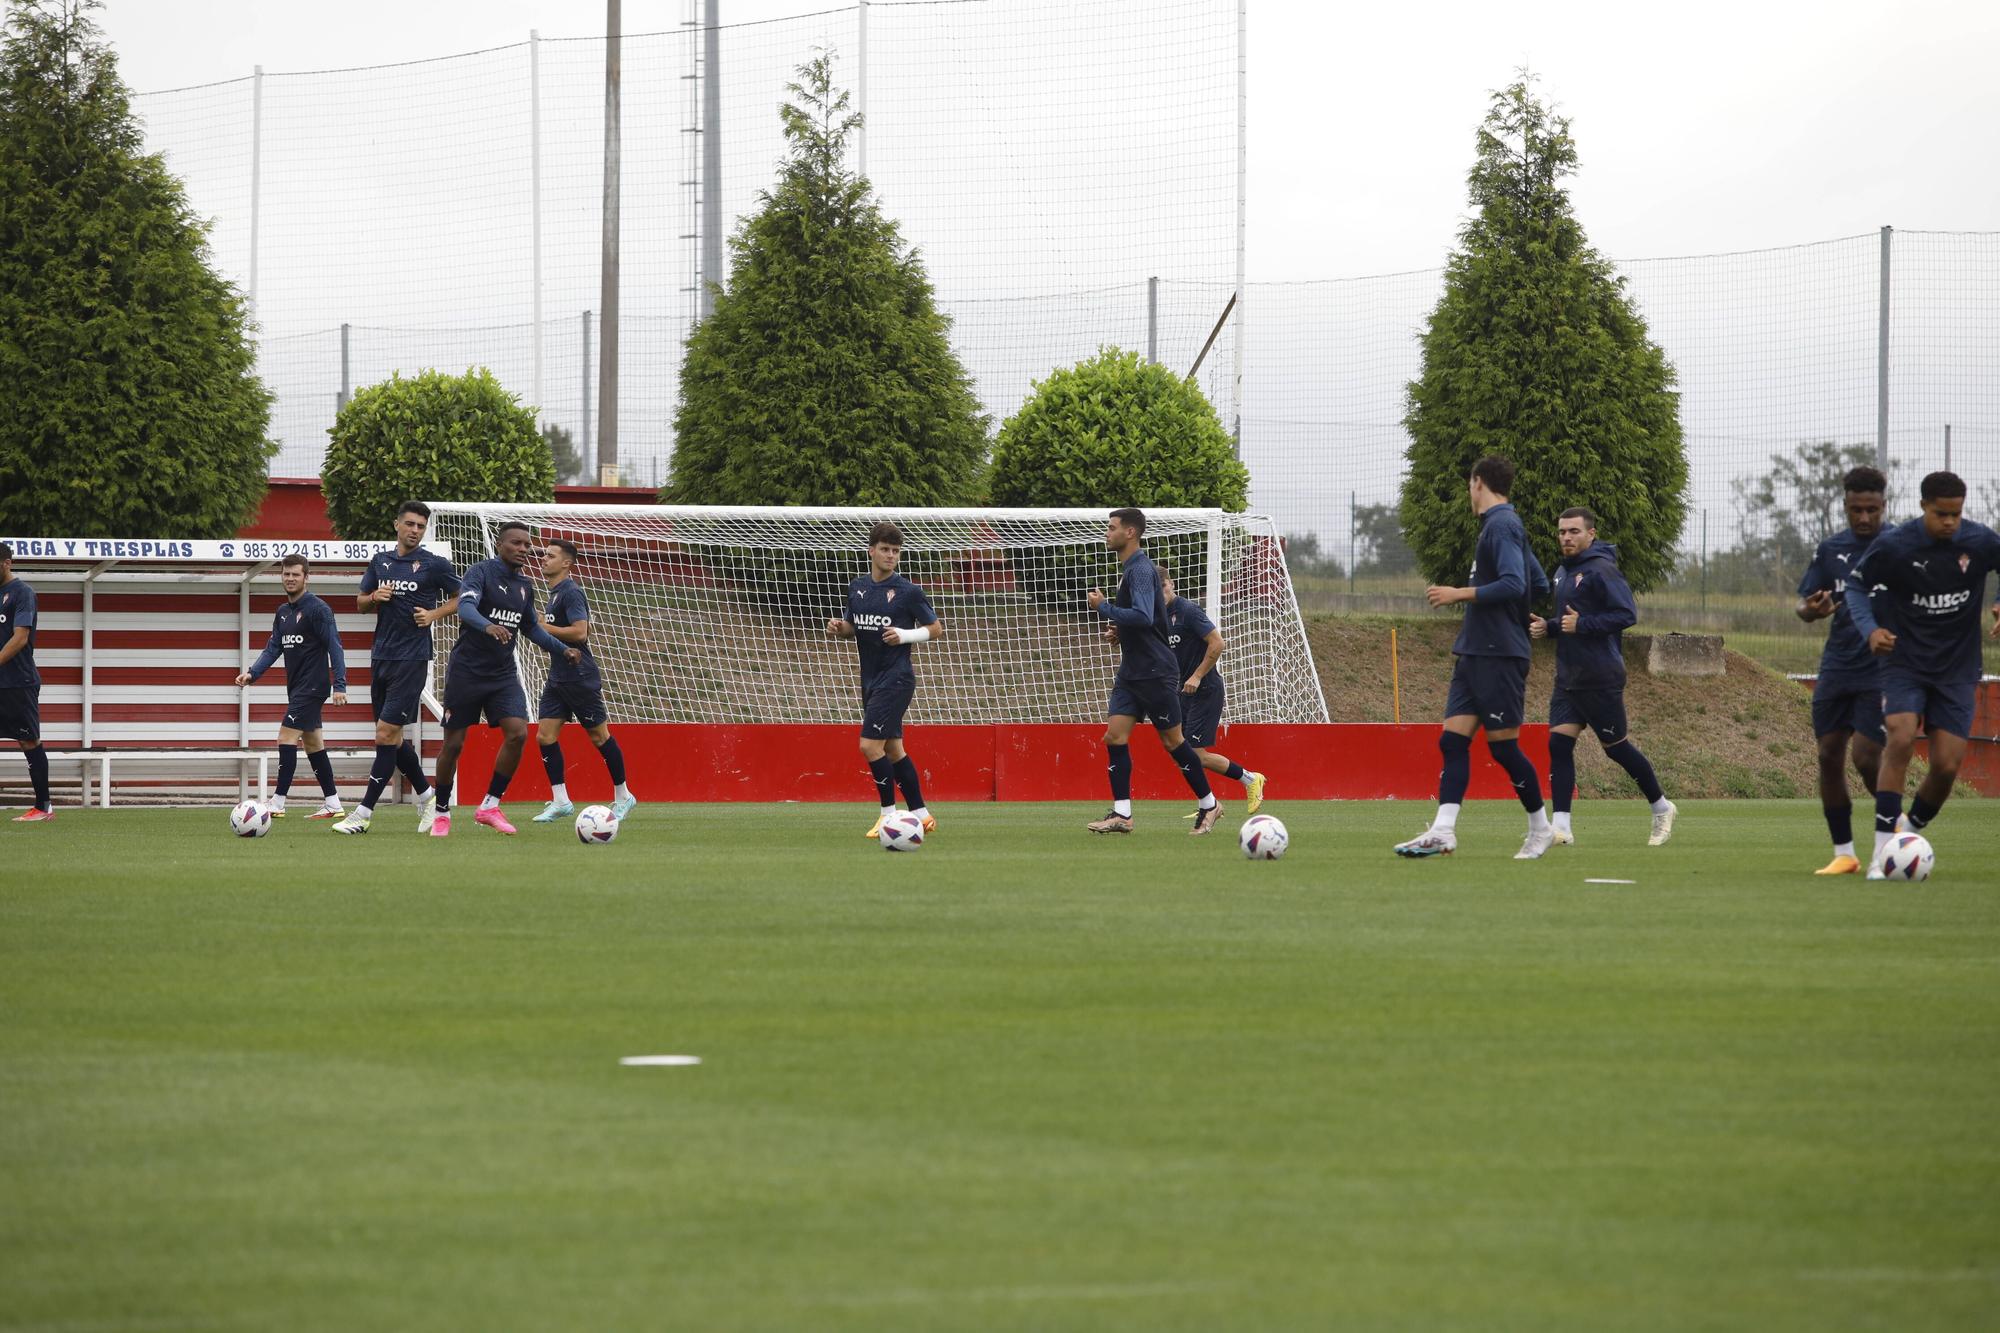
x,y
917,635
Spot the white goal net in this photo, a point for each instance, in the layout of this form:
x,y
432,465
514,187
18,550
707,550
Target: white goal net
x,y
718,614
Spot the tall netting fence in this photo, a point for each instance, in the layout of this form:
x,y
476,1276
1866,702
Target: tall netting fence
x,y
1778,356
719,614
1047,157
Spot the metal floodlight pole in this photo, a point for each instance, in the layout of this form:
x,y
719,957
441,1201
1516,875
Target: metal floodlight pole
x,y
1242,203
1947,446
1153,319
1882,364
607,336
861,88
535,200
256,178
585,440
346,379
711,154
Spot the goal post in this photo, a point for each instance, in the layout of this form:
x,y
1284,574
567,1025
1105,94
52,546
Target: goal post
x,y
717,614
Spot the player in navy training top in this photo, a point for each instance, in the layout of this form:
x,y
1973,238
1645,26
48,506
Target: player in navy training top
x,y
573,689
1197,646
303,632
1149,678
1847,696
1593,609
409,589
21,685
1928,577
885,614
496,602
1489,682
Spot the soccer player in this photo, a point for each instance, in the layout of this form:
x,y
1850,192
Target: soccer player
x,y
304,633
1593,609
1148,680
1930,573
573,689
496,601
885,615
1197,646
1489,683
1847,697
409,589
21,685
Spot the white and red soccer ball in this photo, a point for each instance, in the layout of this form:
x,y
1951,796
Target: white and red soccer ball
x,y
596,825
901,832
1907,856
1263,838
250,819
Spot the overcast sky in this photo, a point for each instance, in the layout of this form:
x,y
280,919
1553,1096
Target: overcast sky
x,y
1704,126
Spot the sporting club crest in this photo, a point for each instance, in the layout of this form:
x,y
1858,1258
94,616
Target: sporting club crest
x,y
1964,563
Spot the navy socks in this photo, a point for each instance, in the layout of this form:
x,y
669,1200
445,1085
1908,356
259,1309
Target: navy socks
x,y
884,774
1456,775
379,774
1121,771
614,760
552,764
1191,769
1527,786
1562,772
38,773
288,766
906,778
1628,757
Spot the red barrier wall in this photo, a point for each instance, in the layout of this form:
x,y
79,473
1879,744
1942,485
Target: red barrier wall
x,y
295,507
1981,769
1040,763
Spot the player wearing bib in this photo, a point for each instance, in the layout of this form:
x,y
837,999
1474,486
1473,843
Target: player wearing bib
x,y
409,589
573,690
886,615
1197,646
1928,578
1489,683
496,603
1148,681
21,685
1847,695
1593,609
303,632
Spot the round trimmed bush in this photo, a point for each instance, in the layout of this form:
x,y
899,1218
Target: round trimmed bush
x,y
435,437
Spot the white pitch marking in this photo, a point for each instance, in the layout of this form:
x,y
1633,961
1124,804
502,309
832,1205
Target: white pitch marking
x,y
661,1060
1611,881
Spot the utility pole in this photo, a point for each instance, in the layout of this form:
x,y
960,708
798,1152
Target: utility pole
x,y
607,331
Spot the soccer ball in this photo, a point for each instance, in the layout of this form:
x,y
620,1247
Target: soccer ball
x,y
1907,856
1263,838
250,819
595,824
901,832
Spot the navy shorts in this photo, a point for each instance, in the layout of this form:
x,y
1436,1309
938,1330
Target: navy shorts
x,y
1492,689
1602,711
302,714
1943,707
569,701
1155,701
497,700
1201,712
396,689
21,713
883,706
1848,704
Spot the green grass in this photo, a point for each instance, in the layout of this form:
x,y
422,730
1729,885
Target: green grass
x,y
1024,1078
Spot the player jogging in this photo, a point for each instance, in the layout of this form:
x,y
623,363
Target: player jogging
x,y
1197,646
1930,574
886,614
409,589
574,689
496,601
1489,682
303,632
1847,696
1593,609
1148,681
21,685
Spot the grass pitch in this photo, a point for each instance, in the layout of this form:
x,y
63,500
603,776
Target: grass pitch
x,y
1023,1078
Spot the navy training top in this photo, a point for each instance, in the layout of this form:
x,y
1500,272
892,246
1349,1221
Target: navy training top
x,y
1846,653
1592,657
305,633
420,579
1931,597
17,611
1506,578
567,607
493,593
1139,610
1188,628
873,607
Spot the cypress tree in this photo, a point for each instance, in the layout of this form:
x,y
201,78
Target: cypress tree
x,y
1535,352
825,375
133,403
